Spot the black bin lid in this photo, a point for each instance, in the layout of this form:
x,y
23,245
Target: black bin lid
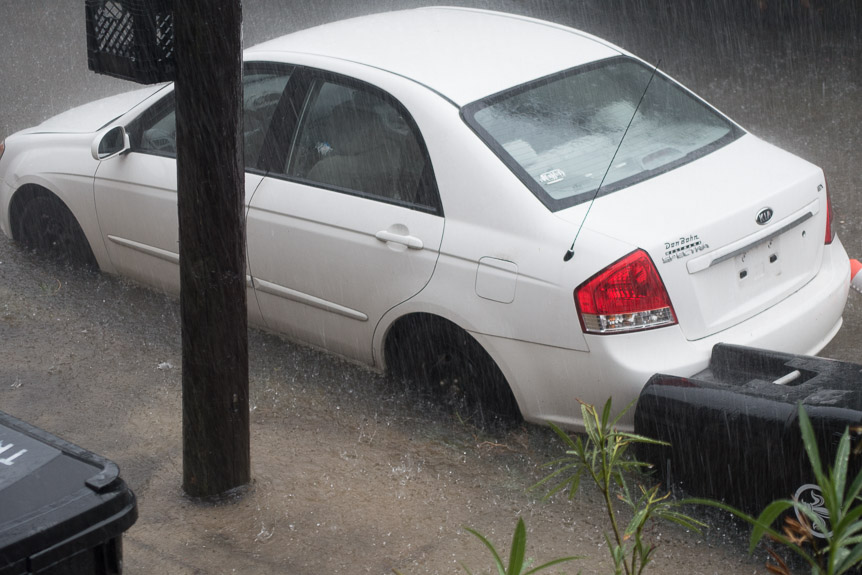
x,y
56,498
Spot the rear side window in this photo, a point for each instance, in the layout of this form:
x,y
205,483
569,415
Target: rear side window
x,y
356,139
560,134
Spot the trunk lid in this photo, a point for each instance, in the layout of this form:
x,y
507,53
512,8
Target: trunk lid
x,y
731,234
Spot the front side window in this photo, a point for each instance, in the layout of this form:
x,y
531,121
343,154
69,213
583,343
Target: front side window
x,y
263,90
356,139
564,135
154,132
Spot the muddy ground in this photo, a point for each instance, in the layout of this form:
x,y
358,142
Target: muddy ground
x,y
354,473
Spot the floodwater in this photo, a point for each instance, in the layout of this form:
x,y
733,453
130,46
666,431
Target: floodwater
x,y
353,472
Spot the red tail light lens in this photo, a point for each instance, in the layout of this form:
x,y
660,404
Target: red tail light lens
x,y
626,296
830,233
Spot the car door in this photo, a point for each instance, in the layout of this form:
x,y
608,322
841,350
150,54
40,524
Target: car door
x,y
136,193
347,223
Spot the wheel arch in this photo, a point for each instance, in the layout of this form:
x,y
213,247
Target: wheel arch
x,y
26,193
415,325
409,325
19,200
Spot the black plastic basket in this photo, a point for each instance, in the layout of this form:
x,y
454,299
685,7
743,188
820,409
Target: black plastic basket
x,y
131,39
733,428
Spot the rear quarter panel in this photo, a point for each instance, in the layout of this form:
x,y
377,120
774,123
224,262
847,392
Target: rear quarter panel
x,y
490,214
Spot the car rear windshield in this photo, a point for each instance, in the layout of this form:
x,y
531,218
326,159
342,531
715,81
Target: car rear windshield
x,y
597,129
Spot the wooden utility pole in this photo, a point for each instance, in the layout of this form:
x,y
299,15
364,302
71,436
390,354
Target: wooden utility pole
x,y
210,181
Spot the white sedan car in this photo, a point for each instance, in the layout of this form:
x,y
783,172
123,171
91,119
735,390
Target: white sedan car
x,y
471,196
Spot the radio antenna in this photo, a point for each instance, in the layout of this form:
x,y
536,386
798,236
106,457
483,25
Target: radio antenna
x,y
571,251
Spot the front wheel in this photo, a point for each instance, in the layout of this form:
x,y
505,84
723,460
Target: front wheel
x,y
47,226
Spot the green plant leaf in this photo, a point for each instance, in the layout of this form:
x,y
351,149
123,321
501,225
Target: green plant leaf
x,y
850,560
764,521
563,435
517,554
575,484
501,569
646,557
768,530
518,551
606,413
635,438
623,412
556,473
838,473
682,520
840,550
852,494
560,487
552,563
848,524
810,444
640,516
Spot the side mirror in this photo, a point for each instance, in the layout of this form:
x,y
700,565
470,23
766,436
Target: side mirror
x,y
110,143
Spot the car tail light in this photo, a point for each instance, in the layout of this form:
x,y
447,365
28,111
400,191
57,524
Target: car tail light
x,y
830,233
2,147
626,296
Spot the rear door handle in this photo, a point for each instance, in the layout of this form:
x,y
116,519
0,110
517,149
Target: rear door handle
x,y
411,242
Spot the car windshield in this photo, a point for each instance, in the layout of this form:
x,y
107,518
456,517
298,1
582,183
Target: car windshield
x,y
600,127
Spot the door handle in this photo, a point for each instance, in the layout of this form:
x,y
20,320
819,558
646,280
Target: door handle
x,y
411,242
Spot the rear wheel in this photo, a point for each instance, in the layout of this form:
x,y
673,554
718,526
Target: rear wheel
x,y
47,226
448,361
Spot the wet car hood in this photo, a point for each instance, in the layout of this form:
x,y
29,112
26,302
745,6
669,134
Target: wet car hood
x,y
95,115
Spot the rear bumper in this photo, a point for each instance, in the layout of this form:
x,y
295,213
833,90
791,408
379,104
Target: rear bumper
x,y
549,381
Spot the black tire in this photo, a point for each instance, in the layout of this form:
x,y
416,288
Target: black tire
x,y
48,227
450,362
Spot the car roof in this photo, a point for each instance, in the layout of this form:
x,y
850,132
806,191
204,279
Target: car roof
x,y
464,54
